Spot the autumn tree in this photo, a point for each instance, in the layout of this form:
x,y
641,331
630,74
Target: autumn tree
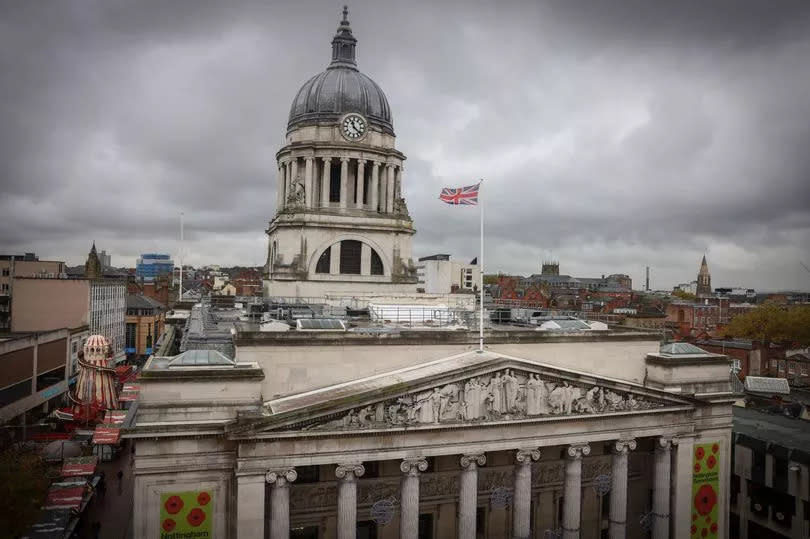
x,y
770,322
23,486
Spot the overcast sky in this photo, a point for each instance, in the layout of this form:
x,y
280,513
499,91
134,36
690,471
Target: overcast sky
x,y
612,135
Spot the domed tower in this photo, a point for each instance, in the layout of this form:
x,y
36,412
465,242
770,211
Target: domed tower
x,y
704,280
341,225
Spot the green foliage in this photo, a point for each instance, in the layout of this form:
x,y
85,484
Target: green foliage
x,y
23,486
773,323
684,295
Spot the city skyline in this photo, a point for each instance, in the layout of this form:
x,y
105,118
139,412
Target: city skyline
x,y
610,140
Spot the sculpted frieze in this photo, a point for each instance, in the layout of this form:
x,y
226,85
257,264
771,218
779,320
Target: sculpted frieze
x,y
505,395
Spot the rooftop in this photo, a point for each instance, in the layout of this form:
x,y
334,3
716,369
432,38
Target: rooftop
x,y
772,427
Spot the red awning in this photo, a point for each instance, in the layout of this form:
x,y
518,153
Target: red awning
x,y
77,466
64,498
129,392
115,417
107,435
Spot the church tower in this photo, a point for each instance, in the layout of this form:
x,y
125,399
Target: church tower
x,y
704,280
341,225
92,267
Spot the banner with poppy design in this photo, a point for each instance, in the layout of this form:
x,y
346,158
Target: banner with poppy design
x,y
705,488
186,515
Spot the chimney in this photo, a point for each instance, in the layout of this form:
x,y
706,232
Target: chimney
x,y
647,280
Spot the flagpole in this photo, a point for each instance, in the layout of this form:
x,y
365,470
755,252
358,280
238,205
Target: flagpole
x,y
481,276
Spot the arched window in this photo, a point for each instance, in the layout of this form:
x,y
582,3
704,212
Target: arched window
x,y
350,257
376,263
324,262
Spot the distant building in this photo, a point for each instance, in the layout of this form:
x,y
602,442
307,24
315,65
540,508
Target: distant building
x,y
153,265
689,288
144,325
49,304
688,319
704,280
92,267
27,265
106,260
550,268
437,274
769,486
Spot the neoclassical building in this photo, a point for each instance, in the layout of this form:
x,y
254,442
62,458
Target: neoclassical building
x,y
342,225
417,434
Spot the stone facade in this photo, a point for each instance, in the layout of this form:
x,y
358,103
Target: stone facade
x,y
465,445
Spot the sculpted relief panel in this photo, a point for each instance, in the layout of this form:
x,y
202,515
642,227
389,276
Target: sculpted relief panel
x,y
506,395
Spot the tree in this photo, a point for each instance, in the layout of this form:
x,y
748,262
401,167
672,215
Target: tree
x,y
770,322
683,294
23,486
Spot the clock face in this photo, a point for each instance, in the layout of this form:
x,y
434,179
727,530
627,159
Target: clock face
x,y
353,127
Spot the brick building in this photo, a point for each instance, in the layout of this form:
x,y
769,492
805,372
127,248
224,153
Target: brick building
x,y
145,320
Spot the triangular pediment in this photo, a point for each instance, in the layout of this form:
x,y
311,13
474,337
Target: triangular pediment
x,y
470,388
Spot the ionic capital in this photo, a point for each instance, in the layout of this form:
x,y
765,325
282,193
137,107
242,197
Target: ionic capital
x,y
281,477
349,471
526,456
577,451
623,447
470,462
663,444
345,159
326,160
413,466
362,161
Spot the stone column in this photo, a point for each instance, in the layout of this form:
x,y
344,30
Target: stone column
x,y
250,506
308,175
389,189
280,188
347,475
361,183
293,175
375,186
468,494
618,488
661,486
325,177
573,489
409,515
522,506
280,502
344,182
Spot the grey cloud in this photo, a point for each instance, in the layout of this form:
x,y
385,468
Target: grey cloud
x,y
612,135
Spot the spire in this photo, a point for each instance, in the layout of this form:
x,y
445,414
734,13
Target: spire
x,y
343,44
93,248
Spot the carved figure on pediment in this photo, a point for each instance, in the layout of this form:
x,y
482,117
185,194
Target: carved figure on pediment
x,y
449,395
379,412
536,396
588,402
613,401
497,399
475,399
510,391
365,416
562,398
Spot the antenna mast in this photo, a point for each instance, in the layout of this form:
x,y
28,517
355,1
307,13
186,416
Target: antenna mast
x,y
181,256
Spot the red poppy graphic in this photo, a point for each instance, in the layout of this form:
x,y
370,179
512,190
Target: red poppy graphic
x,y
715,448
697,467
196,517
169,524
705,500
694,517
704,532
699,453
708,518
714,528
173,505
203,498
711,461
694,529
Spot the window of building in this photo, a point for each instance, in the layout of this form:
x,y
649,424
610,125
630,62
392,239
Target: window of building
x,y
15,392
5,272
334,182
50,378
372,469
791,367
805,370
426,526
131,331
324,262
376,263
366,529
350,257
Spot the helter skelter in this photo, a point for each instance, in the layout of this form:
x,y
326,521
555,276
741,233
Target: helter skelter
x,y
94,392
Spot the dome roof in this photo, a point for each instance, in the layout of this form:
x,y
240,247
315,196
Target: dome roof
x,y
341,89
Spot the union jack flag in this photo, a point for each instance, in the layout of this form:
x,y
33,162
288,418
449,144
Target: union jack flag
x,y
460,196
